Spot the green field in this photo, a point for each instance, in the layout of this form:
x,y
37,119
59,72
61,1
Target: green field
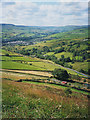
x,y
80,65
45,65
17,65
66,54
19,58
49,53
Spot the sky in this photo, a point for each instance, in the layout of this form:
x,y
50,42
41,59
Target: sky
x,y
44,13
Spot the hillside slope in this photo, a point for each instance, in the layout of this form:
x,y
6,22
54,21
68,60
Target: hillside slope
x,y
69,49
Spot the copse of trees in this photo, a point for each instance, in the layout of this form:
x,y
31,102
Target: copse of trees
x,y
60,74
65,59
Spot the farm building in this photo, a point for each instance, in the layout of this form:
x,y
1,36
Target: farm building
x,y
64,82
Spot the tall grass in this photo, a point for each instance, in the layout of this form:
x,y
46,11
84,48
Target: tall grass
x,y
23,100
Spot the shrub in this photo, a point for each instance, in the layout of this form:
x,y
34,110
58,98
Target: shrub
x,y
84,80
68,91
69,83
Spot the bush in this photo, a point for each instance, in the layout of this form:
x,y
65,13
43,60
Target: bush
x,y
84,80
68,91
70,84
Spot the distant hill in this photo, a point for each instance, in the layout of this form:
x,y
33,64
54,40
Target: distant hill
x,y
31,34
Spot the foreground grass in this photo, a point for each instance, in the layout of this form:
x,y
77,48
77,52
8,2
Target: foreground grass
x,y
25,100
56,86
15,75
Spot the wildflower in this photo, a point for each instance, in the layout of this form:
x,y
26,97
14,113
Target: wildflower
x,y
59,106
36,110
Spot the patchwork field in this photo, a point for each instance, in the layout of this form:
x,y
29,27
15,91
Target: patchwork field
x,y
28,63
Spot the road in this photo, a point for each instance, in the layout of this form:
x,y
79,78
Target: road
x,y
72,70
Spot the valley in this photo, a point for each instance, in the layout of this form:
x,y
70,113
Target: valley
x,y
29,57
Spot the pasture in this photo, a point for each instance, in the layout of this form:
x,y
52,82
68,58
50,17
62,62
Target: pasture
x,y
66,54
80,65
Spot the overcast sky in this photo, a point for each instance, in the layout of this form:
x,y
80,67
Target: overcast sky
x,y
44,13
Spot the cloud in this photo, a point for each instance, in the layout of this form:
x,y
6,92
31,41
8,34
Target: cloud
x,y
39,14
45,0
1,12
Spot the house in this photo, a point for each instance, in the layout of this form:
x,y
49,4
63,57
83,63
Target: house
x,y
64,82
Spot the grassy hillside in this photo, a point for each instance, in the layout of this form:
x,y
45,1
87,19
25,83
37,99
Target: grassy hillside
x,y
28,100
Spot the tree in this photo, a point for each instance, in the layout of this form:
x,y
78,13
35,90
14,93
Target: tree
x,y
81,70
7,54
67,59
60,74
46,49
62,56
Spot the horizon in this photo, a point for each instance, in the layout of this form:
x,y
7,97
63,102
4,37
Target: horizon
x,y
39,26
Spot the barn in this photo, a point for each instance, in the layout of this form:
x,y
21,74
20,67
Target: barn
x,y
64,82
